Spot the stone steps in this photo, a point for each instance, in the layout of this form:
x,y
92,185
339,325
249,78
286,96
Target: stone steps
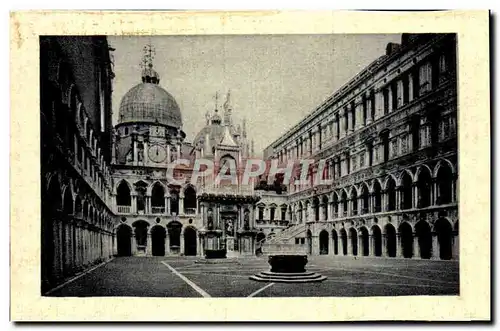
x,y
280,277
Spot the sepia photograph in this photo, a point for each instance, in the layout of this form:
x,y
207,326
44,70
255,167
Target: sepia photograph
x,y
250,165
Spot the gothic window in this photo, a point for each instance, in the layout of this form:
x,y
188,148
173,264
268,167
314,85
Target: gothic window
x,y
261,212
123,195
189,200
361,160
404,144
394,148
174,202
271,213
353,162
283,213
158,198
386,100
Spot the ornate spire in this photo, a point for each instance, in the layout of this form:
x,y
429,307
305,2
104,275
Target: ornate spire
x,y
216,101
227,109
149,75
244,128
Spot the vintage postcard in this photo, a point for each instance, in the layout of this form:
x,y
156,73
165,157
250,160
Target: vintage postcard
x,y
166,165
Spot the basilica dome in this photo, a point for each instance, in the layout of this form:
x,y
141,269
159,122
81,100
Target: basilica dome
x,y
148,102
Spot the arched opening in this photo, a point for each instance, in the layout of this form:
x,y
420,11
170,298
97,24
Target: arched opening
x,y
325,207
354,201
323,242
190,241
123,200
365,241
377,197
365,198
345,203
406,234
158,235
406,190
316,209
424,184
123,237
174,236
158,199
354,241
391,194
335,242
174,202
299,211
335,203
423,233
141,188
78,207
189,200
309,242
444,185
343,237
141,235
445,236
390,236
68,202
377,240
307,206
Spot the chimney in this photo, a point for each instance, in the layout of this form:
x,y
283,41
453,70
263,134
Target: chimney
x,y
391,48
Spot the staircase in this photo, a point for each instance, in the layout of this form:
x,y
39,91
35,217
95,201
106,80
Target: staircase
x,y
285,236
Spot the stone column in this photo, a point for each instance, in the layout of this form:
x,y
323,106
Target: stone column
x,y
415,195
371,241
384,245
349,244
435,247
167,204
399,245
321,215
133,243
416,248
181,204
149,248
455,249
315,245
398,197
167,242
182,243
133,208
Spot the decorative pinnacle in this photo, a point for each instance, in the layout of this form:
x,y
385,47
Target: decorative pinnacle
x,y
149,55
216,101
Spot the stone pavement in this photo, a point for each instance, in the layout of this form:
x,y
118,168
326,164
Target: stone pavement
x,y
182,277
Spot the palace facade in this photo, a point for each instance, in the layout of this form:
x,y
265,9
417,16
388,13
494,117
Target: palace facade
x,y
389,138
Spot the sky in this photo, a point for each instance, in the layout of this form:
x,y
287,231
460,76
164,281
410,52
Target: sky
x,y
275,80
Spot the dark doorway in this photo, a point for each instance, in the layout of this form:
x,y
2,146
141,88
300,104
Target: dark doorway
x,y
377,240
174,236
158,235
390,235
406,234
335,238
124,235
423,232
365,242
444,235
343,236
323,242
190,241
354,241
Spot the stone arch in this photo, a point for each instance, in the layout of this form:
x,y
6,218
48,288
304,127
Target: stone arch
x,y
444,180
353,235
315,203
390,235
377,194
335,242
141,234
157,198
190,200
324,239
124,237
377,240
365,198
390,187
388,179
343,239
158,236
174,229
406,235
78,207
444,232
443,163
190,241
365,241
424,185
335,204
324,202
68,203
406,183
424,235
345,202
354,200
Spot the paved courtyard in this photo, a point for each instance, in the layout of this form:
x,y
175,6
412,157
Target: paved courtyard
x,y
182,277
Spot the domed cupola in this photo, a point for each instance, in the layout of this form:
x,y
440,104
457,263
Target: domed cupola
x,y
147,102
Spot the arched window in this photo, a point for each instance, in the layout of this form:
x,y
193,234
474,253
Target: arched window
x,y
324,203
345,203
444,185
406,191
123,200
354,201
424,188
174,202
189,200
391,194
365,198
316,209
158,199
377,196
